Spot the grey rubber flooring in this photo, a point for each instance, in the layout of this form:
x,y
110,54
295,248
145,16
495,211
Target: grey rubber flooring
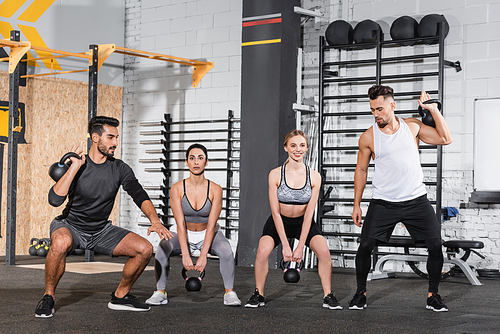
x,y
395,305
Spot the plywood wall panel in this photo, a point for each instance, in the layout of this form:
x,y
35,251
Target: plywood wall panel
x,y
56,118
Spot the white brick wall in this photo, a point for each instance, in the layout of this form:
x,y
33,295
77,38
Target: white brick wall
x,y
474,40
196,29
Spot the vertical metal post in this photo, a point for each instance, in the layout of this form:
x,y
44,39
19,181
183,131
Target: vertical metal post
x,y
93,69
229,175
10,255
320,129
378,67
439,171
166,165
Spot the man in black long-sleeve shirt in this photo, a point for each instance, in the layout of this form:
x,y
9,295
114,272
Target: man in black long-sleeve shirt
x,y
91,185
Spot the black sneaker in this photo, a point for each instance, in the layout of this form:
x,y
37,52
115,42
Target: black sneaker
x,y
256,300
358,302
127,303
330,301
45,307
436,303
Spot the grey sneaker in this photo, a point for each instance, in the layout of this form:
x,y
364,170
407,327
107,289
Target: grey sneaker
x,y
158,298
231,299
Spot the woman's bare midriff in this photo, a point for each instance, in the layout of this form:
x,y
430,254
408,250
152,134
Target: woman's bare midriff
x,y
196,227
292,211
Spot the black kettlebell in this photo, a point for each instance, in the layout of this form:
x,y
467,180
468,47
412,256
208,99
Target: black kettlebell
x,y
193,283
43,250
58,169
291,275
33,243
426,114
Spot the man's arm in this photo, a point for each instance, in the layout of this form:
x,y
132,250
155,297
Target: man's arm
x,y
360,175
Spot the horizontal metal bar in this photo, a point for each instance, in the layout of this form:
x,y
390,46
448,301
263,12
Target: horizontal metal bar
x,y
162,160
205,121
350,79
162,141
341,234
163,151
364,96
366,113
355,148
383,77
349,182
347,252
345,131
425,165
418,40
161,170
350,62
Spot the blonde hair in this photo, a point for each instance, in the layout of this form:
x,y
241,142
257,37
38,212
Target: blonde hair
x,y
294,133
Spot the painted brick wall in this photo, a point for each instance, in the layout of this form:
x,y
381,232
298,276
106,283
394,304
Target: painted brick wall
x,y
473,39
196,29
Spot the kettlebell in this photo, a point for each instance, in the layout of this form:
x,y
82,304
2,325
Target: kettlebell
x,y
34,242
426,114
43,250
291,275
58,169
193,283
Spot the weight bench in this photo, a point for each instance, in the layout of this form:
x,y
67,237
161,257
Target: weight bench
x,y
452,249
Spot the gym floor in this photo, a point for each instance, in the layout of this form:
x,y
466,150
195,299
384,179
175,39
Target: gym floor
x,y
395,305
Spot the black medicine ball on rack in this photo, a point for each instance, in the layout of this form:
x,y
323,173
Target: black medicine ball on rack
x,y
428,27
339,33
366,32
405,27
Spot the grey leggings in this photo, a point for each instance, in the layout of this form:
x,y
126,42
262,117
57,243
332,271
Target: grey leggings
x,y
220,247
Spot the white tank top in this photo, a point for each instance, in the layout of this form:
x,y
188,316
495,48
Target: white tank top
x,y
398,175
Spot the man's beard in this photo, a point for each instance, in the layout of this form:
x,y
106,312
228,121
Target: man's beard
x,y
105,151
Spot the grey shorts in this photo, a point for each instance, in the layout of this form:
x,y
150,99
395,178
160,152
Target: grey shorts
x,y
103,242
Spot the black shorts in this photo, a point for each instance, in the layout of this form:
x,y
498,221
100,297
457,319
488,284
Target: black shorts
x,y
293,228
417,215
103,242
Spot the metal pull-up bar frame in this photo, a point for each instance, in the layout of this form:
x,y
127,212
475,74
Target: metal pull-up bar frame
x,y
96,56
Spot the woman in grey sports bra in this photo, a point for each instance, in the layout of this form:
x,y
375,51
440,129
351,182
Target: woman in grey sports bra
x,y
196,203
293,194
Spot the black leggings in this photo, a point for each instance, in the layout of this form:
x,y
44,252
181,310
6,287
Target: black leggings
x,y
434,262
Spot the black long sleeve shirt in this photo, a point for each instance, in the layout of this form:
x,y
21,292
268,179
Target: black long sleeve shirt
x,y
92,193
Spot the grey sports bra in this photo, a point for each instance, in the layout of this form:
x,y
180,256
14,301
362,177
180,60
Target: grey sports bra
x,y
196,216
287,195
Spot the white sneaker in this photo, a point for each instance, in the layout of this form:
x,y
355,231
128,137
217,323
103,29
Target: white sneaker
x,y
231,299
158,298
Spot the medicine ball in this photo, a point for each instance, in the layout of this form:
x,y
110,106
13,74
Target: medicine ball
x,y
366,32
339,33
404,27
428,27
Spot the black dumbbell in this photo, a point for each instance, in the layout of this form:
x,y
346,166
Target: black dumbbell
x,y
58,169
34,242
193,283
291,275
426,114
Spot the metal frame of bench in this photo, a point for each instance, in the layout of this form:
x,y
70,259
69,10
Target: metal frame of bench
x,y
379,273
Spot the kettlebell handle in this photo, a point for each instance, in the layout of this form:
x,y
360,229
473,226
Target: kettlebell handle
x,y
183,272
284,265
67,156
436,101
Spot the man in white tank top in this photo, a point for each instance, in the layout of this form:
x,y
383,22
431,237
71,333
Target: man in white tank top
x,y
399,194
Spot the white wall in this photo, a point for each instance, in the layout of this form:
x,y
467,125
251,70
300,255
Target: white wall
x,y
208,30
474,41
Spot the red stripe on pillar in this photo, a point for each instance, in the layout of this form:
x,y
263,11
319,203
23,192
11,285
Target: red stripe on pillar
x,y
256,23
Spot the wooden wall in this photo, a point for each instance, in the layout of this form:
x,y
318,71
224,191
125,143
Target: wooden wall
x,y
56,118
